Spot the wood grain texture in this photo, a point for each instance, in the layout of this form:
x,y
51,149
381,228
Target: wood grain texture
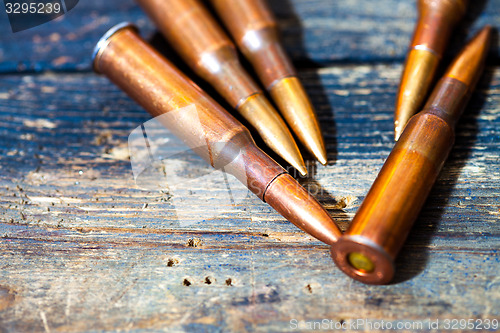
x,y
357,30
83,248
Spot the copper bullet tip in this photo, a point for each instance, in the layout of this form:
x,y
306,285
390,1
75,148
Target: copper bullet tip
x,y
292,100
466,67
296,204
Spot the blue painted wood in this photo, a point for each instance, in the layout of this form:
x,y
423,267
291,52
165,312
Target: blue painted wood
x,y
315,32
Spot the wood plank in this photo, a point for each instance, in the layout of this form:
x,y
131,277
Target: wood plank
x,y
356,31
81,249
61,279
83,125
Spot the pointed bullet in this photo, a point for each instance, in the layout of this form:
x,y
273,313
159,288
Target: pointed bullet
x,y
367,250
262,116
254,29
289,95
436,21
205,47
468,66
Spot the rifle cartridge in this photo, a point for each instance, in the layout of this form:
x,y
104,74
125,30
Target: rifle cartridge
x,y
367,250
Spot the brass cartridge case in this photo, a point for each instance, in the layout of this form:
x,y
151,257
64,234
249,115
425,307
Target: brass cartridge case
x,y
160,88
368,248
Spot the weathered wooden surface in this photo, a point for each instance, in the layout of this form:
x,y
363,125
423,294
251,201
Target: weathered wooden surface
x,y
81,246
84,249
356,31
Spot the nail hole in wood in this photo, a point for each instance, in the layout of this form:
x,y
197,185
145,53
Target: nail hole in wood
x,y
194,242
172,262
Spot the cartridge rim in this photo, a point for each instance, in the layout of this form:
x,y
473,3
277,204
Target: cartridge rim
x,y
103,41
383,264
